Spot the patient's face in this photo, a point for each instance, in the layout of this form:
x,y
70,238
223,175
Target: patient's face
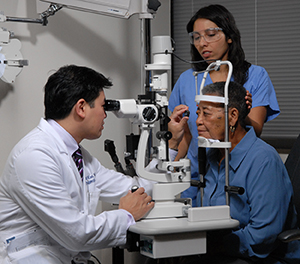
x,y
211,120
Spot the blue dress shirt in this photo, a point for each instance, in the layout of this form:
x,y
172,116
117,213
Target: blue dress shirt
x,y
263,208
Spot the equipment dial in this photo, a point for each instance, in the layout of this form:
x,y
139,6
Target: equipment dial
x,y
149,114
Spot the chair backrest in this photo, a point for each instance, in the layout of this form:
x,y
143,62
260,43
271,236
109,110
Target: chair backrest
x,y
292,165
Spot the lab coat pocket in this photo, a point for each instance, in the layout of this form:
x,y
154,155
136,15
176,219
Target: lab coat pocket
x,y
33,254
29,247
93,199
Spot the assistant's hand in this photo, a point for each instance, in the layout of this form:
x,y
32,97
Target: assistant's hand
x,y
177,125
248,99
137,203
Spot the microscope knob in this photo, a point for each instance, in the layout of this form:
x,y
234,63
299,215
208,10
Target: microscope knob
x,y
167,135
149,114
170,168
154,4
134,188
234,189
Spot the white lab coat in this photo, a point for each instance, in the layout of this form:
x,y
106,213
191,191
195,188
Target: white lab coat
x,y
47,213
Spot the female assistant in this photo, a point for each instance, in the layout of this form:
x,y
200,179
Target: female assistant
x,y
214,36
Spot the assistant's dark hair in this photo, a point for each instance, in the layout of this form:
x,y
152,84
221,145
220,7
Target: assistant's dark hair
x,y
223,19
236,97
69,84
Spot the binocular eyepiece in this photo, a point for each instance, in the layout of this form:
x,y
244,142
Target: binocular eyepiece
x,y
112,105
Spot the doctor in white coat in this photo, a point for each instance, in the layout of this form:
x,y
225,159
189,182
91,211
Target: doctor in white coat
x,y
47,206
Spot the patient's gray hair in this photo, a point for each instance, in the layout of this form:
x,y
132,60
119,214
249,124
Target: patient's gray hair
x,y
236,97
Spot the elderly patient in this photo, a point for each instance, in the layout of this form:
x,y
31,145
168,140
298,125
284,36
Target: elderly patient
x,y
265,209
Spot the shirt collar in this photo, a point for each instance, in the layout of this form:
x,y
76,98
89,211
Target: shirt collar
x,y
239,152
70,142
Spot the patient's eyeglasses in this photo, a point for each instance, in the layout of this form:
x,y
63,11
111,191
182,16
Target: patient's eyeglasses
x,y
210,35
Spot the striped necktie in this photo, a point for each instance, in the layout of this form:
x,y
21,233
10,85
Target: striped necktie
x,y
77,157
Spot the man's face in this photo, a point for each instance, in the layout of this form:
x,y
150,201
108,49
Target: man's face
x,y
95,118
211,120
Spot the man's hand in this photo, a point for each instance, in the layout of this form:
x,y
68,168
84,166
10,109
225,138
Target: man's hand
x,y
137,203
177,125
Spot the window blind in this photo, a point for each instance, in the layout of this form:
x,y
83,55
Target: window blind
x,y
270,38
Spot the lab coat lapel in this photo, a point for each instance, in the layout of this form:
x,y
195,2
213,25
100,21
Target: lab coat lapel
x,y
61,147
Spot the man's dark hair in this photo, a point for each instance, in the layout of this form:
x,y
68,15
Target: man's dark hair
x,y
69,84
236,97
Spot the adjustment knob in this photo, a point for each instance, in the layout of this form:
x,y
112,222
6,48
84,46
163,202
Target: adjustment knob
x,y
149,114
154,4
134,188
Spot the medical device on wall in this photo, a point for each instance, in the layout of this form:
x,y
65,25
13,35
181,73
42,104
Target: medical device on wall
x,y
11,59
116,8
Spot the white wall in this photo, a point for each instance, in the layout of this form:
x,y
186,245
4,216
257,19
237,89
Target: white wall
x,y
108,45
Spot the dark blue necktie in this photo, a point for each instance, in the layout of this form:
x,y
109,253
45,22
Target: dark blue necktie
x,y
77,157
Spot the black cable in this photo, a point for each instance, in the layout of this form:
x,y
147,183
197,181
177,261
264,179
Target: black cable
x,y
191,62
93,256
186,61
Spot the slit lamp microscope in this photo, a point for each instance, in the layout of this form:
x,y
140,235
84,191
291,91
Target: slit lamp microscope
x,y
173,227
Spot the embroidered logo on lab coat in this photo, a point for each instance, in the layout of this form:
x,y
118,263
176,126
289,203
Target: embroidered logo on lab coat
x,y
90,179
